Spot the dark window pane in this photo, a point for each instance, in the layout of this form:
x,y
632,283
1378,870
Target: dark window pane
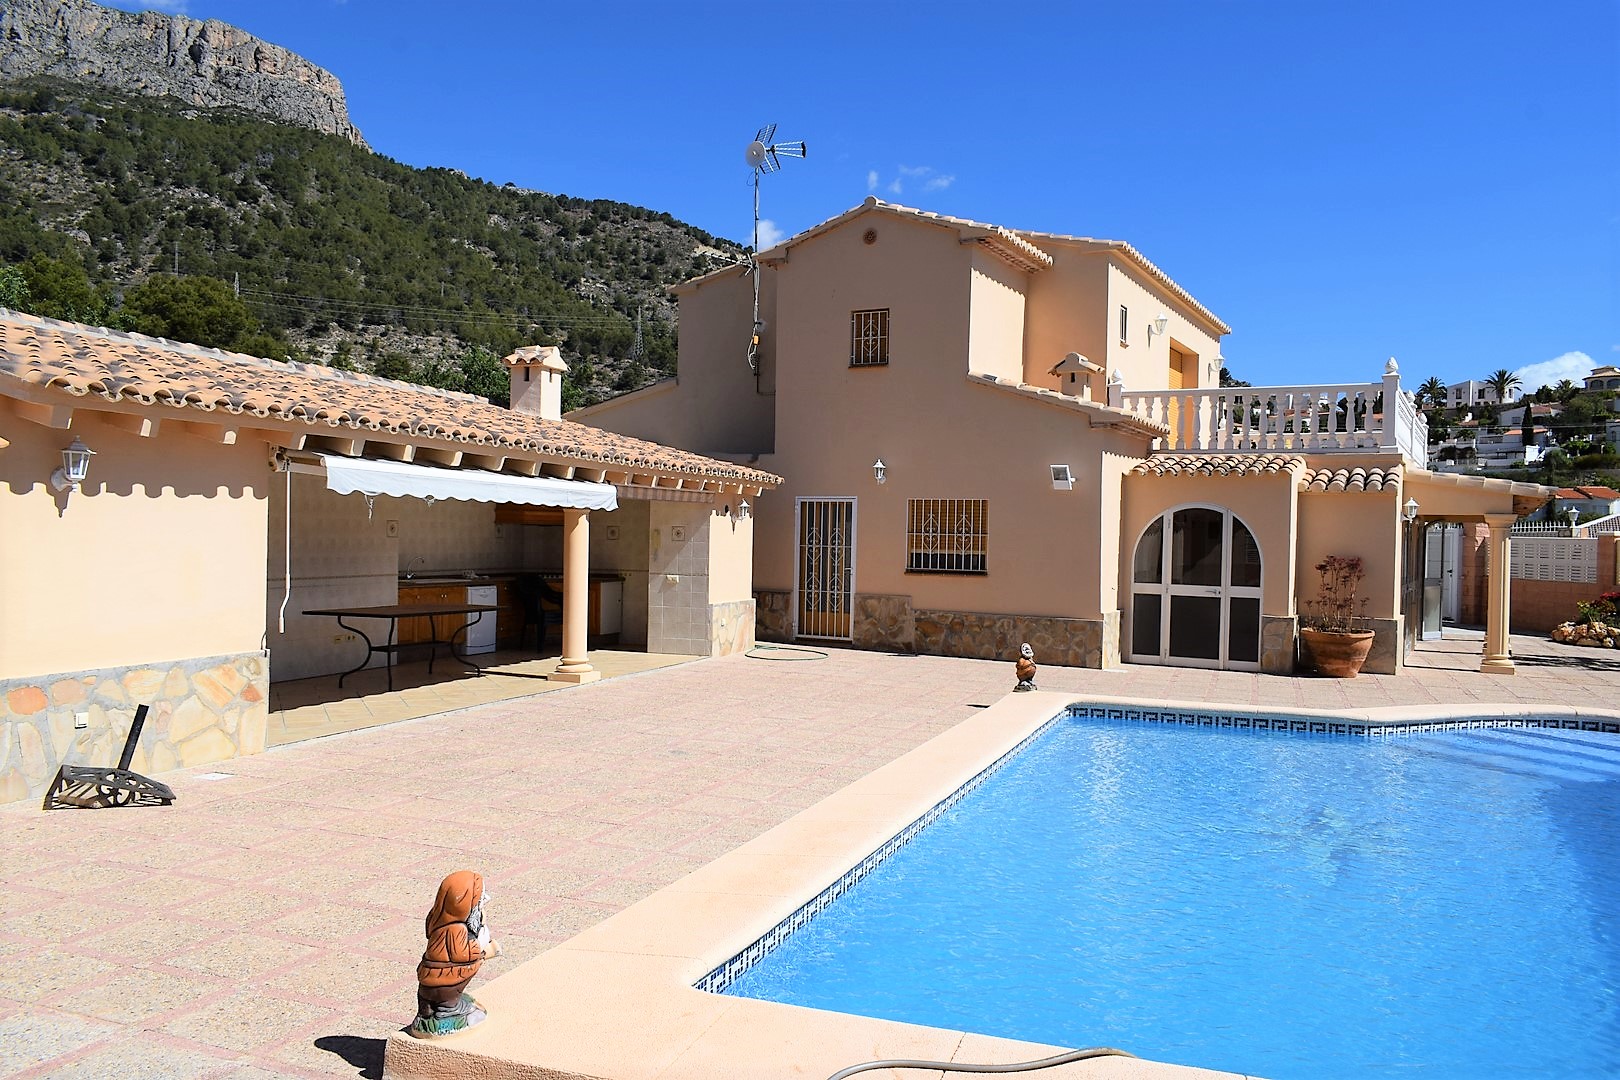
x,y
1195,553
1150,556
1195,627
1243,630
1145,625
1245,557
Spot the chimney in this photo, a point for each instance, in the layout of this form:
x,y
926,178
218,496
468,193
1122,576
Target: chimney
x,y
537,375
1074,374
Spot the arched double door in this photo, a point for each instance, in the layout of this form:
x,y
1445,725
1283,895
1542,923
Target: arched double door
x,y
1195,591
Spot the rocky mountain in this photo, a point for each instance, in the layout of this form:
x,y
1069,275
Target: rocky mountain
x,y
202,63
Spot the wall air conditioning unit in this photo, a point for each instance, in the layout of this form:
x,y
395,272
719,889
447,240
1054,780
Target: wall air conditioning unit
x,y
1062,478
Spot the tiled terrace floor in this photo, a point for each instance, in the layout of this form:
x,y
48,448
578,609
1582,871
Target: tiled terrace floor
x,y
268,924
310,708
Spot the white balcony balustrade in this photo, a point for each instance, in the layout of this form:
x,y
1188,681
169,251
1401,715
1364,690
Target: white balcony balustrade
x,y
1319,419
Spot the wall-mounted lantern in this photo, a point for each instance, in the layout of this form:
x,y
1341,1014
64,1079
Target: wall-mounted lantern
x,y
1411,509
880,471
1062,478
744,511
75,467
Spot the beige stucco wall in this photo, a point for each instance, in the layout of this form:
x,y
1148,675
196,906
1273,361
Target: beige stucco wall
x,y
1065,314
1352,524
996,319
160,556
714,405
1143,364
731,552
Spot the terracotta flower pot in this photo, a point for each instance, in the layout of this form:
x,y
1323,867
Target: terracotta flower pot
x,y
1339,656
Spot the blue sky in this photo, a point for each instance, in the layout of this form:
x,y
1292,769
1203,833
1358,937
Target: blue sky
x,y
1341,182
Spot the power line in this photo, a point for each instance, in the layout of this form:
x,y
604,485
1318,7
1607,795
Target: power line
x,y
295,301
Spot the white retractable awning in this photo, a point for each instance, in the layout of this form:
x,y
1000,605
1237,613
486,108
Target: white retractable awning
x,y
367,477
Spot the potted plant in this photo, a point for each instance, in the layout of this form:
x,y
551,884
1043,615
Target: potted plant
x,y
1334,627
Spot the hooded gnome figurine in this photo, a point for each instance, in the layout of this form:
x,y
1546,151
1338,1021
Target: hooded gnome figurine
x,y
457,942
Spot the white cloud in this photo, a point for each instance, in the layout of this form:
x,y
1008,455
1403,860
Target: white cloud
x,y
1573,366
769,234
926,177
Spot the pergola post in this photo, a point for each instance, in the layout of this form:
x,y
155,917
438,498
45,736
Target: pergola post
x,y
1499,593
575,665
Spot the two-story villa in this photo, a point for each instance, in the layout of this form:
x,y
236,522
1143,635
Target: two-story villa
x,y
993,436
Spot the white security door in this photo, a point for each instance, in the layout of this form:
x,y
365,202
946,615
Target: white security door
x,y
1195,592
826,569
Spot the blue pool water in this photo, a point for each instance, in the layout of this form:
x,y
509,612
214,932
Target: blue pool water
x,y
1432,906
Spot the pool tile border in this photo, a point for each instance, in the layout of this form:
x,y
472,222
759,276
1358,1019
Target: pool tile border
x,y
1318,725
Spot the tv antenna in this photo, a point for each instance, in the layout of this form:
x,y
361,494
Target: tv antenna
x,y
764,156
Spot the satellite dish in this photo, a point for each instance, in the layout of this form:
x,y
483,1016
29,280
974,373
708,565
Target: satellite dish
x,y
763,156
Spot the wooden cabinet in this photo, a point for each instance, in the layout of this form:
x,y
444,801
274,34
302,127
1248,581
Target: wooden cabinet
x,y
418,630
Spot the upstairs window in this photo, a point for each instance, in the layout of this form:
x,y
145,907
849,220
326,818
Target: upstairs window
x,y
947,536
868,338
1124,324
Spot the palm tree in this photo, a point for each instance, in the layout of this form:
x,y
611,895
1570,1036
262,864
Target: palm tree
x,y
1502,383
1565,390
1433,390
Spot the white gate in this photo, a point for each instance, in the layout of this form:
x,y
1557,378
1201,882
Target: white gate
x,y
1536,558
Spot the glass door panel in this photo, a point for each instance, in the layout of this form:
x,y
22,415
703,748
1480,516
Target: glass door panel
x,y
1195,556
1195,627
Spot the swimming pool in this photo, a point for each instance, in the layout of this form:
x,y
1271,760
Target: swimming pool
x,y
1288,906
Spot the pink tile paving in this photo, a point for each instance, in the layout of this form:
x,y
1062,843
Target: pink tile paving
x,y
267,925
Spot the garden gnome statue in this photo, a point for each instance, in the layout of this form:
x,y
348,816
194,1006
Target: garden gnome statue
x,y
1025,668
457,942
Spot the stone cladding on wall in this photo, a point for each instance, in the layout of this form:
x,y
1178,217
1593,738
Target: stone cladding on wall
x,y
731,627
1061,642
1278,645
884,622
203,709
773,615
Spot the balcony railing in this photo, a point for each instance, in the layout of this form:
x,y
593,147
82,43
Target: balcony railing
x,y
1321,419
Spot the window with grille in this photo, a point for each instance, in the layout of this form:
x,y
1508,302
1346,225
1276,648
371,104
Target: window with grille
x,y
868,338
946,536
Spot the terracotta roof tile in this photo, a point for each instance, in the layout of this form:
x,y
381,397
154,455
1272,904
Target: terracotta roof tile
x,y
1357,479
122,367
1219,465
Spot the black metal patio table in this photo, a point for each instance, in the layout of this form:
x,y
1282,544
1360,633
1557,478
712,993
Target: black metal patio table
x,y
395,612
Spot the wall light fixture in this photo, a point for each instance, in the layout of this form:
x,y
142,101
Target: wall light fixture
x,y
75,467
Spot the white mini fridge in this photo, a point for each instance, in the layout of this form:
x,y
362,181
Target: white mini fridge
x,y
481,634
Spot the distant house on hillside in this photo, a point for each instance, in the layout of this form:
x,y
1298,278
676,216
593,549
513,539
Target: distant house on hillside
x,y
1603,378
994,436
1590,501
1471,392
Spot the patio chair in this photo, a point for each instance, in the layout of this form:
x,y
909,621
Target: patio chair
x,y
542,608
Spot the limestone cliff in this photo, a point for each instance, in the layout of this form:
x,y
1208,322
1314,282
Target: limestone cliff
x,y
207,63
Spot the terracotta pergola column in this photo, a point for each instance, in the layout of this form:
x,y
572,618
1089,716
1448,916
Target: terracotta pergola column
x,y
576,665
1498,594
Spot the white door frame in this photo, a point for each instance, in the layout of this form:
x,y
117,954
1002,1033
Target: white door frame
x,y
798,564
1165,589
